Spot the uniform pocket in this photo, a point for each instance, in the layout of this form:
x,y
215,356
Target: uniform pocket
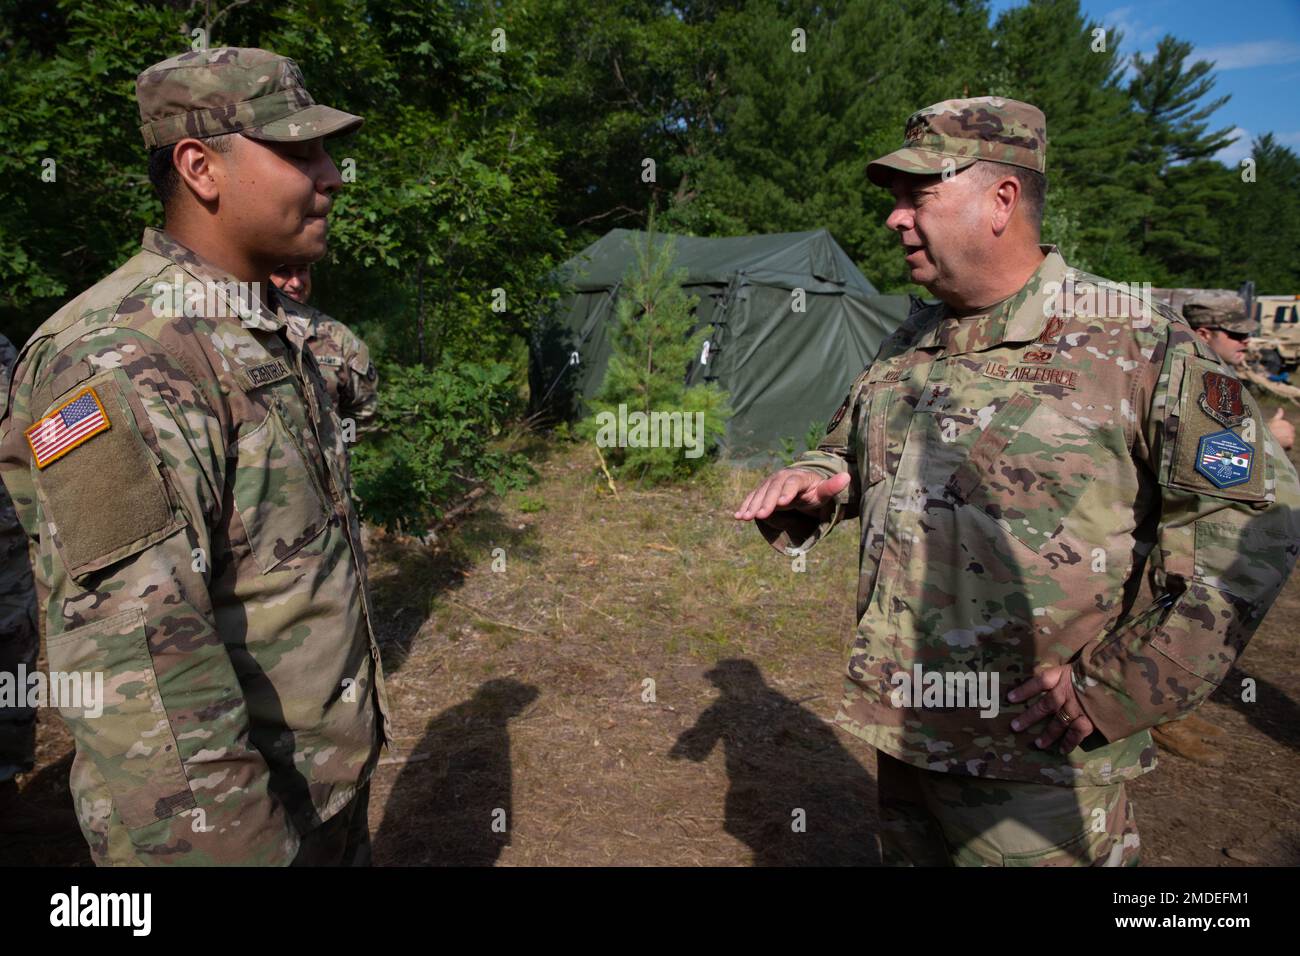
x,y
1027,470
277,497
873,436
119,720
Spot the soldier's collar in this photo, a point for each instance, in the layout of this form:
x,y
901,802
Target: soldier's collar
x,y
1021,317
287,314
260,297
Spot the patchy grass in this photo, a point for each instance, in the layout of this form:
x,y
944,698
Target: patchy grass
x,y
579,678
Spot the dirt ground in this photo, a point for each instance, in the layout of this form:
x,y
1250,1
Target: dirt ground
x,y
583,680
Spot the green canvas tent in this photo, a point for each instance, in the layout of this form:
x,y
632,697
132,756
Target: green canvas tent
x,y
783,368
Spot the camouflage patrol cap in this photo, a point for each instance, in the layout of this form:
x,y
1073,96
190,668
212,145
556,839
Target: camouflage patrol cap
x,y
956,133
1217,310
232,90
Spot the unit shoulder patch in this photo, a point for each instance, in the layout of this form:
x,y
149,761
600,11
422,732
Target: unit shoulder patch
x,y
1218,435
1224,459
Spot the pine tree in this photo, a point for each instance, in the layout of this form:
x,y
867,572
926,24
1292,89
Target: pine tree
x,y
1047,53
1173,149
1262,226
653,345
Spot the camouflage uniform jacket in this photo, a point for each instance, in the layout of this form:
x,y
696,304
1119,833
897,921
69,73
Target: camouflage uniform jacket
x,y
344,363
197,545
1014,471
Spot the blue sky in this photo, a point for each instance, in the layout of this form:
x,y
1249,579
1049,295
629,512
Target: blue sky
x,y
1254,43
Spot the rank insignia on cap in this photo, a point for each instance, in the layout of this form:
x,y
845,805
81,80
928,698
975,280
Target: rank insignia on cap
x,y
1221,400
1224,459
71,424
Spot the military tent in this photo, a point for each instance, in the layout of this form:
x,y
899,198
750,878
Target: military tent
x,y
783,368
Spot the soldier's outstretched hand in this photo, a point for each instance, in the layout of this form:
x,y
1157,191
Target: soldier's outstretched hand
x,y
792,488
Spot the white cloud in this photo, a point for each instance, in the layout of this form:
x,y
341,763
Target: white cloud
x,y
1137,33
1139,36
1233,155
1240,56
1288,139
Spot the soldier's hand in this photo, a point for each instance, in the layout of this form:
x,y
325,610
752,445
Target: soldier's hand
x,y
1057,692
1282,430
792,488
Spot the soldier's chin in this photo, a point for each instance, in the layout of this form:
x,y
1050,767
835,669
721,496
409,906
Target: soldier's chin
x,y
313,240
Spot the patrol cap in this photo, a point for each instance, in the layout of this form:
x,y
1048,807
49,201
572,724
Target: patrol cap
x,y
956,133
1217,310
232,90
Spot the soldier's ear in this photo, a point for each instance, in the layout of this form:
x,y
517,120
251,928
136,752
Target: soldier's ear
x,y
1006,195
196,167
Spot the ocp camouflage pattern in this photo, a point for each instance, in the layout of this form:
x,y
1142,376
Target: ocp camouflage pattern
x,y
204,555
204,93
952,135
344,364
1028,487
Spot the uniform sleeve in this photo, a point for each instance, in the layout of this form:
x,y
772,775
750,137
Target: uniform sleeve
x,y
360,398
1226,540
124,537
794,532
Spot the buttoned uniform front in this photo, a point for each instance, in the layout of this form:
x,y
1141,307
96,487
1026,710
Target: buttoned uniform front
x,y
1016,472
203,554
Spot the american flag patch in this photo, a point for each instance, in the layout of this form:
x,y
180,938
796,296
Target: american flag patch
x,y
67,427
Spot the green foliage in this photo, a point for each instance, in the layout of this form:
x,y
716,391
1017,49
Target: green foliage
x,y
652,346
434,441
480,168
814,435
1260,240
790,447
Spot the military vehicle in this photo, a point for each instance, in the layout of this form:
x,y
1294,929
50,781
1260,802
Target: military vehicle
x,y
1276,346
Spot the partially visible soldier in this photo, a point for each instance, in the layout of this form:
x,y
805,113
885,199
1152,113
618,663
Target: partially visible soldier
x,y
1220,320
174,461
1022,456
343,358
19,641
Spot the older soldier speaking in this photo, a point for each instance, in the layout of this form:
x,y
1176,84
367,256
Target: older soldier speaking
x,y
1020,456
172,457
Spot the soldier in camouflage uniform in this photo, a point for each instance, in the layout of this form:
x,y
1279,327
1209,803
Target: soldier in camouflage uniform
x,y
1220,321
1020,456
341,356
175,459
19,640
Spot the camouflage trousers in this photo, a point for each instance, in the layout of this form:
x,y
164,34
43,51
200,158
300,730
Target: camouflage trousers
x,y
343,839
943,819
